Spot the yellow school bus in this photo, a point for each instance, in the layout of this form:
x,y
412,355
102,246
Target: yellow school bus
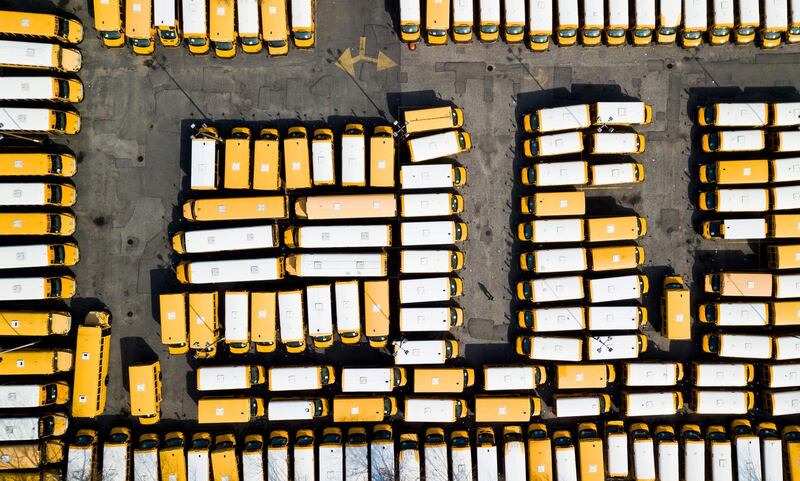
x,y
237,159
173,322
43,475
296,165
437,21
172,457
236,208
108,22
41,25
144,383
222,29
267,161
34,323
139,26
381,157
37,163
263,319
203,323
275,26
37,223
91,365
30,455
376,312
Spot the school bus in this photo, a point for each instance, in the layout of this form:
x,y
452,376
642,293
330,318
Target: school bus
x,y
34,323
41,25
275,27
37,163
37,223
91,365
267,160
381,157
237,159
296,165
30,455
222,29
204,323
144,383
173,323
263,320
376,312
238,208
139,26
108,22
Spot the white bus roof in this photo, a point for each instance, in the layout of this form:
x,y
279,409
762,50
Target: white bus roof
x,y
784,375
367,379
514,11
424,319
489,10
566,468
239,270
577,406
290,315
33,54
723,12
612,318
561,173
602,348
568,12
668,461
560,260
80,465
514,461
278,464
695,13
772,457
651,374
509,378
252,466
354,167
740,229
409,11
645,11
787,197
559,319
348,307
356,463
785,403
787,347
322,161
247,17
16,257
618,13
12,194
556,289
197,465
319,307
786,114
427,233
461,459
436,463
615,143
745,346
749,12
776,14
331,463
742,314
741,114
786,170
237,314
229,238
290,410
557,230
748,458
720,402
164,13
787,286
22,288
429,261
426,176
694,461
27,88
610,174
216,378
742,200
486,457
540,15
560,144
426,205
193,15
115,462
617,454
339,236
721,462
145,465
301,13
427,410
19,396
341,265
419,352
427,289
616,288
720,375
651,404
434,146
556,348
620,113
644,461
571,117
463,11
302,378
204,164
593,15
670,13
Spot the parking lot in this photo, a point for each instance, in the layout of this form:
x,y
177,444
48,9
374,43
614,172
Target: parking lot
x,y
138,112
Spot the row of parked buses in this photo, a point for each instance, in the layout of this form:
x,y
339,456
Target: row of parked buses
x,y
595,21
203,23
636,452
